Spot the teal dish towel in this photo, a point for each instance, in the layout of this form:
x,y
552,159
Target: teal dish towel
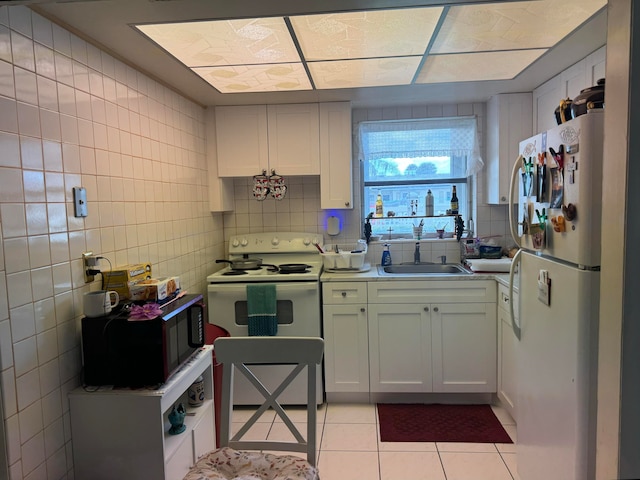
x,y
262,309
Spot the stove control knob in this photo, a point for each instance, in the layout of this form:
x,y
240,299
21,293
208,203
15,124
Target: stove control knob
x,y
244,242
306,241
235,242
275,241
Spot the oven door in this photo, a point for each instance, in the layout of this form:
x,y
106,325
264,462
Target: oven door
x,y
298,306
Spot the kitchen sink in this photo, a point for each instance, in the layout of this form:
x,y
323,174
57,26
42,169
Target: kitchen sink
x,y
424,268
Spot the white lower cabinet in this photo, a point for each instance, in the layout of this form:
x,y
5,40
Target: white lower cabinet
x,y
430,336
123,434
346,356
507,352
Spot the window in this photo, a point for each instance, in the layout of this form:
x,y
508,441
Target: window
x,y
402,160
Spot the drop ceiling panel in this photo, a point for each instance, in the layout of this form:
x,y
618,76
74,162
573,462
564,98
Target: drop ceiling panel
x,y
512,26
364,73
226,42
352,35
468,67
256,78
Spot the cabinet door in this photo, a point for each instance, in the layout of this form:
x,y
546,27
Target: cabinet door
x,y
241,137
294,139
464,338
346,348
204,434
595,66
545,100
181,461
220,189
336,182
400,348
507,352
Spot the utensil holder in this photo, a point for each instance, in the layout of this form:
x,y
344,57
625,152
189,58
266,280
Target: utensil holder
x,y
417,233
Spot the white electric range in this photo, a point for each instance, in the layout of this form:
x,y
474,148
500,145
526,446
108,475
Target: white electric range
x,y
291,261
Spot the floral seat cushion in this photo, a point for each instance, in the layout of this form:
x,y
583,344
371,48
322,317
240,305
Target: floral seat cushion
x,y
229,464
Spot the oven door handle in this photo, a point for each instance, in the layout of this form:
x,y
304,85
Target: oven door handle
x,y
281,287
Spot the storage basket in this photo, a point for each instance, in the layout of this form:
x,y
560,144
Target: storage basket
x,y
347,256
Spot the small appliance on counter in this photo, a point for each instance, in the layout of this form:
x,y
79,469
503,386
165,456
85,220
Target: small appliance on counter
x,y
125,353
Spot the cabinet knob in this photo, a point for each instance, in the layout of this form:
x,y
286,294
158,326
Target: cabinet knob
x,y
503,198
426,309
362,309
435,309
344,294
346,204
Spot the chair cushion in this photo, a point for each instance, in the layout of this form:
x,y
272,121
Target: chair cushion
x,y
229,464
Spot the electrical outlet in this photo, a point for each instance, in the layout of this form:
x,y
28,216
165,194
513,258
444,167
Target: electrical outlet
x,y
90,261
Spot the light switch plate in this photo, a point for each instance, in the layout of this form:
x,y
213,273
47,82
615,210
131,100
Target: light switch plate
x,y
80,201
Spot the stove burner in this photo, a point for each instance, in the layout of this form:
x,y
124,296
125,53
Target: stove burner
x,y
286,272
235,272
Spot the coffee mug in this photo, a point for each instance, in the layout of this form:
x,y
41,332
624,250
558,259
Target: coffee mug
x,y
100,302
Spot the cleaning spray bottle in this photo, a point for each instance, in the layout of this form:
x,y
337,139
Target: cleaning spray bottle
x,y
386,256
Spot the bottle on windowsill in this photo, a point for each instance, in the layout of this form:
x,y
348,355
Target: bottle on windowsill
x,y
379,205
454,201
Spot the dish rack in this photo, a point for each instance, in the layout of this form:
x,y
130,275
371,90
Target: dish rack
x,y
345,256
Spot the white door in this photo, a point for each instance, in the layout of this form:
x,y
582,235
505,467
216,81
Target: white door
x,y
556,364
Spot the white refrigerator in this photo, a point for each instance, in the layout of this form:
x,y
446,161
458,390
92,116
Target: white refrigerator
x,y
558,180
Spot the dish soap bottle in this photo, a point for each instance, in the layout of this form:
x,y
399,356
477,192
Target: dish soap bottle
x,y
386,256
429,204
379,205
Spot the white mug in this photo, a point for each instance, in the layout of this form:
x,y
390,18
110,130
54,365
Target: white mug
x,y
99,303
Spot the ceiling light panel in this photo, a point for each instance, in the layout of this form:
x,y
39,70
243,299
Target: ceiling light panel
x,y
378,33
256,78
373,72
469,67
512,25
226,42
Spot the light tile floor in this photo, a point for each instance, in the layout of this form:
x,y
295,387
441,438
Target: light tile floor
x,y
350,448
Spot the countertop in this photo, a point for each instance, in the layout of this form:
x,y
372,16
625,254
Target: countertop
x,y
372,275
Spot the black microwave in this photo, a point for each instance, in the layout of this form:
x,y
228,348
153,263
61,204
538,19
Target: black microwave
x,y
123,353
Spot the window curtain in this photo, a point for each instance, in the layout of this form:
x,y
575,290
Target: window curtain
x,y
428,137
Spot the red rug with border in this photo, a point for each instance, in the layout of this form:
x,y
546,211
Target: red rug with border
x,y
440,423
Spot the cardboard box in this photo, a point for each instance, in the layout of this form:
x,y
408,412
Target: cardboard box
x,y
155,289
122,278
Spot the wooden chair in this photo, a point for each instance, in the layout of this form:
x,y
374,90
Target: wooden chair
x,y
237,458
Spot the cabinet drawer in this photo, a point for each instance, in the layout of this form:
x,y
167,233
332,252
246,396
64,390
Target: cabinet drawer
x,y
471,291
204,434
341,293
181,461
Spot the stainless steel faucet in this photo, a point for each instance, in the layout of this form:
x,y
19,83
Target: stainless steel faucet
x,y
443,259
416,254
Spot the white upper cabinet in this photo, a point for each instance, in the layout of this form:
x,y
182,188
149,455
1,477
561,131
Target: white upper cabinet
x,y
256,138
508,122
220,189
336,183
294,139
566,84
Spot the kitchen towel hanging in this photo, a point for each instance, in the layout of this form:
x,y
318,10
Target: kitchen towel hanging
x,y
262,310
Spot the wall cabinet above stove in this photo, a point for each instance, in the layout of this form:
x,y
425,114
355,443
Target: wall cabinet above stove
x,y
253,138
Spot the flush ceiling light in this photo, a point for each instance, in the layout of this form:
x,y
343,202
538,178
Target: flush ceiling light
x,y
226,42
256,78
372,48
370,72
368,34
513,25
469,67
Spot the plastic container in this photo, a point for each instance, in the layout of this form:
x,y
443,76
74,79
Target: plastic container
x,y
349,256
490,251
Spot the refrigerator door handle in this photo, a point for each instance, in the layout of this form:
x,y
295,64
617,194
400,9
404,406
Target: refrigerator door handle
x,y
513,223
515,261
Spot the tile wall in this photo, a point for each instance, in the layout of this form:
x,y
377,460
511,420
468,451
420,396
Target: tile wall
x,y
301,208
72,115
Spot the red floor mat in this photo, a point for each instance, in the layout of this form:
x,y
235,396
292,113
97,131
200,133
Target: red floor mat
x,y
440,423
